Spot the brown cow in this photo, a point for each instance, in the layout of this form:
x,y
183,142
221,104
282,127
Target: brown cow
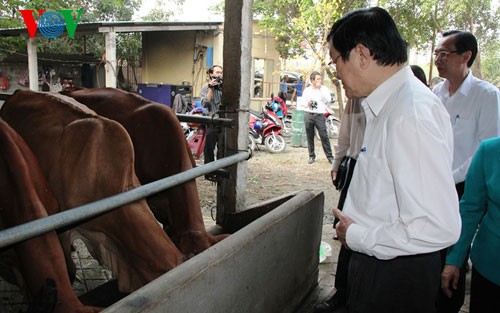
x,y
86,157
24,197
160,151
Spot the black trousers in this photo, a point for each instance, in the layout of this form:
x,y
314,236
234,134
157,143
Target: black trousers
x,y
483,294
407,284
344,254
211,138
312,120
453,304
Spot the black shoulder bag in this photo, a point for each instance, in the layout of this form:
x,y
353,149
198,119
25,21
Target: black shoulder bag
x,y
342,173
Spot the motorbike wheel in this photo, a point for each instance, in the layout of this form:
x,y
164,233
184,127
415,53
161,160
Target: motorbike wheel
x,y
287,127
333,128
275,144
251,143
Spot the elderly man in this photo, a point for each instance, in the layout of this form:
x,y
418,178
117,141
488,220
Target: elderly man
x,y
401,208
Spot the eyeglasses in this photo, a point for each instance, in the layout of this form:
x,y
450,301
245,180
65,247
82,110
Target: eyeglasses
x,y
333,63
443,54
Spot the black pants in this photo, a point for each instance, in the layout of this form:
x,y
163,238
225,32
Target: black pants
x,y
483,294
344,254
407,284
312,120
453,304
211,138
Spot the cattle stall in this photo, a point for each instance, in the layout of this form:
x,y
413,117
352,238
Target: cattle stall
x,y
269,265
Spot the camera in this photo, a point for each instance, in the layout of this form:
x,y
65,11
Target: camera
x,y
218,85
314,105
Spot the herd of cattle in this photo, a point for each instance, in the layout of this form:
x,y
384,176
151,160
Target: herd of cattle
x,y
60,151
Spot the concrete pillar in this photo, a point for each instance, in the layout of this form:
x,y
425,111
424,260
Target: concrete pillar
x,y
32,64
237,59
110,67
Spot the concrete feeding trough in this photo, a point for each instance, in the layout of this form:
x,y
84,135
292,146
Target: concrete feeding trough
x,y
269,264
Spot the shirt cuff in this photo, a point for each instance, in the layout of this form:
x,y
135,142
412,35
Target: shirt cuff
x,y
354,237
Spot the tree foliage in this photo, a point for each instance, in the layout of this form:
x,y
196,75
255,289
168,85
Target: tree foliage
x,y
422,21
300,26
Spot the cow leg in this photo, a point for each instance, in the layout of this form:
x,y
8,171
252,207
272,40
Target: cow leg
x,y
165,153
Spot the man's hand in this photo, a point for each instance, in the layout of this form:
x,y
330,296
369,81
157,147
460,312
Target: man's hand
x,y
213,82
342,226
449,279
334,176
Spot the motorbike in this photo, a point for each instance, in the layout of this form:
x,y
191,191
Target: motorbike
x,y
265,128
332,125
278,106
195,134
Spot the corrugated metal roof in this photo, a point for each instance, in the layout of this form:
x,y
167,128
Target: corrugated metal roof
x,y
102,27
52,58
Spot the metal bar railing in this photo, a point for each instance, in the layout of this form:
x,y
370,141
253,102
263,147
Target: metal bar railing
x,y
207,120
34,228
4,96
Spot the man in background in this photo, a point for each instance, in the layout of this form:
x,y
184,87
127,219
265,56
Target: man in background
x,y
316,98
299,88
474,107
211,99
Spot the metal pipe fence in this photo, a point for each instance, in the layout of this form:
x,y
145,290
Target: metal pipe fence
x,y
73,216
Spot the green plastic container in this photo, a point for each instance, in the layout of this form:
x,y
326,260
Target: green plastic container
x,y
298,138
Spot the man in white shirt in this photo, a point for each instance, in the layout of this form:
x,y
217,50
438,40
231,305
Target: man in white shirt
x,y
474,107
316,97
401,208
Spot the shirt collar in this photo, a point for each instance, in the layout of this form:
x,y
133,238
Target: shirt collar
x,y
464,87
378,98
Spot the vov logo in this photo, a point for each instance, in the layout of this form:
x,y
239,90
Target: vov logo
x,y
51,23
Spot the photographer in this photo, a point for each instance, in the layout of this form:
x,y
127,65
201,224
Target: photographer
x,y
211,99
316,98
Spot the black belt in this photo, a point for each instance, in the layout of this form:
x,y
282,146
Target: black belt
x,y
419,255
314,113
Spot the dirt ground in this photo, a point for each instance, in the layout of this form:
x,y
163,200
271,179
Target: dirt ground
x,y
271,175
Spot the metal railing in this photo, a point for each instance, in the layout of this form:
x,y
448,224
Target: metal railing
x,y
41,226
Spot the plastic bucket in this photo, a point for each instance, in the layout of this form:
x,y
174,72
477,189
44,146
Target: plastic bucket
x,y
298,129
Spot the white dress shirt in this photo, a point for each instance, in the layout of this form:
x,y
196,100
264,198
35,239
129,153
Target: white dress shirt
x,y
320,95
402,196
475,115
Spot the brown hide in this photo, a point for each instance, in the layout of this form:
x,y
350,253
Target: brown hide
x,y
85,158
24,197
161,151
